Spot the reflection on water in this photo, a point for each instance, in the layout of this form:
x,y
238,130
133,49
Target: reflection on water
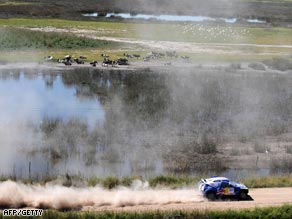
x,y
161,17
45,96
256,21
179,18
106,122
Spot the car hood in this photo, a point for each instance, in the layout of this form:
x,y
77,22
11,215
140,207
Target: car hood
x,y
239,185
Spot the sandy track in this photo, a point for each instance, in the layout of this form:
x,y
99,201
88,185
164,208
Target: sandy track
x,y
262,198
137,198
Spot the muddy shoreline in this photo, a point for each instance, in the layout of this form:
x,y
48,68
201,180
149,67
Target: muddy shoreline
x,y
136,66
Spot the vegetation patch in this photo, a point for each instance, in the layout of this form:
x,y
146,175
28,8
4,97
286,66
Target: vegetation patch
x,y
282,212
11,38
170,181
285,165
281,64
268,181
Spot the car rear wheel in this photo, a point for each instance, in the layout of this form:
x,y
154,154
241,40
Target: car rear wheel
x,y
242,195
211,195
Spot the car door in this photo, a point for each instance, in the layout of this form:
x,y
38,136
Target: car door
x,y
231,190
224,188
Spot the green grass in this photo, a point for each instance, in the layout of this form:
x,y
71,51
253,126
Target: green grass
x,y
267,182
60,44
25,45
25,39
8,3
171,181
282,212
251,182
161,31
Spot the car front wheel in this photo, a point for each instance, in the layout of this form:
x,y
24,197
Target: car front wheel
x,y
211,195
242,195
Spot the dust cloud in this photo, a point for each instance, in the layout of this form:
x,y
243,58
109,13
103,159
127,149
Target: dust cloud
x,y
58,197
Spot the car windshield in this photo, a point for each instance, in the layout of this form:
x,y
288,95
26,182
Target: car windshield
x,y
233,184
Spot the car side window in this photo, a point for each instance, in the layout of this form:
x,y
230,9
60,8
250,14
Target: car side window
x,y
224,184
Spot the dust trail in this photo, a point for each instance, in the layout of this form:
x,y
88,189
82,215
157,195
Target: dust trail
x,y
17,195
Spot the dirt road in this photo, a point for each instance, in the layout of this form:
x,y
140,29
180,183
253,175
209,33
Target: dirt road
x,y
140,197
262,198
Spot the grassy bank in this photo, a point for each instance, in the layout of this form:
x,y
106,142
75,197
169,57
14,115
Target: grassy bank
x,y
11,38
161,181
268,182
180,32
283,212
212,34
182,181
26,45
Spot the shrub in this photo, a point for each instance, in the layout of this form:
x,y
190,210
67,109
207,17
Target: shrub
x,y
207,146
235,151
93,181
260,147
172,180
257,66
233,67
268,181
127,180
281,165
289,149
48,125
281,64
110,182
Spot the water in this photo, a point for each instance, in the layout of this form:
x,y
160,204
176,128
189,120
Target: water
x,y
256,21
161,17
103,123
179,18
45,96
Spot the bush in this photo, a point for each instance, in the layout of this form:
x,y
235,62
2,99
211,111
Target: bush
x,y
127,181
110,182
281,64
257,66
282,165
172,180
289,149
260,147
93,181
235,152
233,67
268,181
48,125
208,145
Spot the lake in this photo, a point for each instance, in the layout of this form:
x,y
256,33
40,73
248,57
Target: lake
x,y
148,122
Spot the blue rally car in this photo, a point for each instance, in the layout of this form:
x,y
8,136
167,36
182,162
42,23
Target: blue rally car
x,y
216,187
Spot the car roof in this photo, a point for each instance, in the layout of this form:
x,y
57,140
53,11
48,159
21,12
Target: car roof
x,y
217,179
